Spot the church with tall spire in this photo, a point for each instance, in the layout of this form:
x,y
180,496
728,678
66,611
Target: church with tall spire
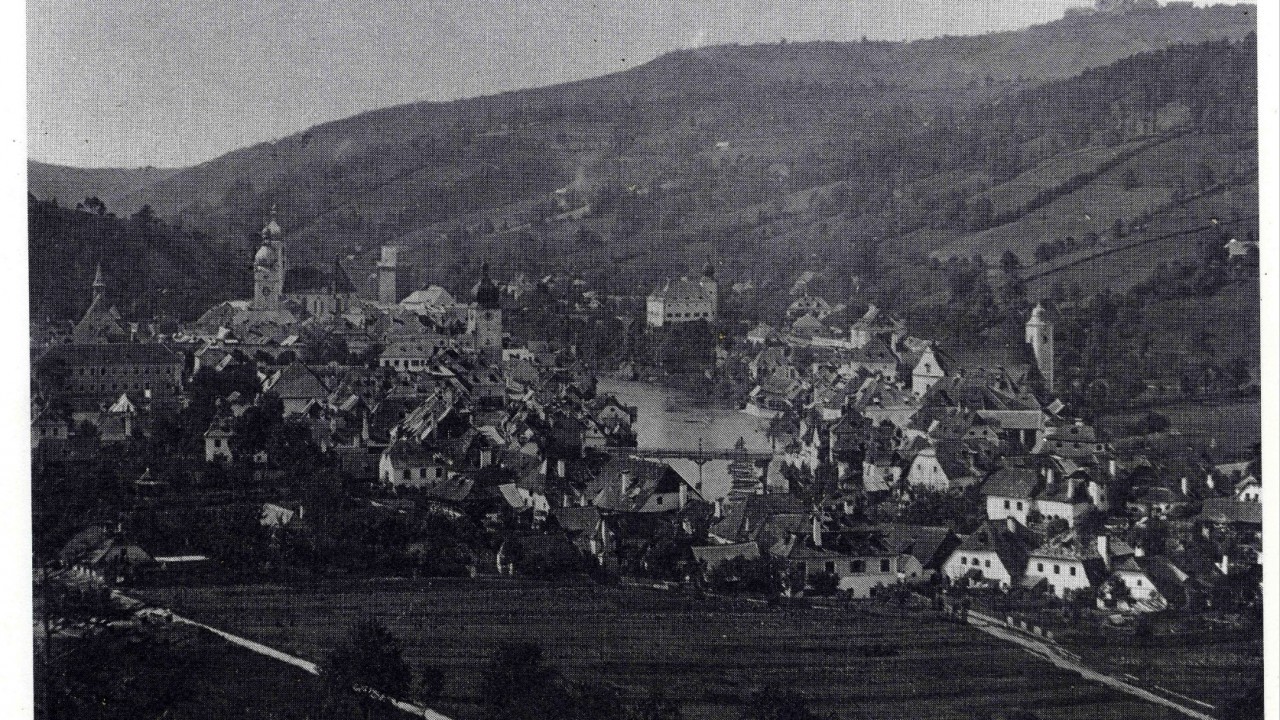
x,y
269,267
101,322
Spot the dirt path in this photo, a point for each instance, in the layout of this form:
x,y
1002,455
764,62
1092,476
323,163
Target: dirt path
x,y
257,647
1053,654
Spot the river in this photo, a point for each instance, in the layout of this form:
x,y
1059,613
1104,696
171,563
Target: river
x,y
670,418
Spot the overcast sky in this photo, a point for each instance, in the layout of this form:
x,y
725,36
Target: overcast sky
x,y
127,83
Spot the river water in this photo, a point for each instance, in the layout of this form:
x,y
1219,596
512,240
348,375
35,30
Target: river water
x,y
669,418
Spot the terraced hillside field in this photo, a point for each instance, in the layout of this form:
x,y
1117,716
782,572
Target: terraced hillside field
x,y
707,654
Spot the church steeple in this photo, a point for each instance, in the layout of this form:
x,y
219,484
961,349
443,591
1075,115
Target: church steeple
x,y
99,285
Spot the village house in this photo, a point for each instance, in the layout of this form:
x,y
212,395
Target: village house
x,y
217,441
922,550
995,553
934,365
1151,583
810,306
1070,563
942,466
860,561
412,464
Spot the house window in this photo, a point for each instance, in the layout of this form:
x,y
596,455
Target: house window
x,y
422,473
860,566
1072,570
406,474
1057,569
1006,504
986,563
1139,583
439,473
1019,505
885,566
830,566
1039,567
659,500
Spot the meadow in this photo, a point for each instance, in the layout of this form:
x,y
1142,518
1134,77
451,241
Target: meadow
x,y
708,654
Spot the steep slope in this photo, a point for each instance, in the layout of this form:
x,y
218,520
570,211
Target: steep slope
x,y
453,158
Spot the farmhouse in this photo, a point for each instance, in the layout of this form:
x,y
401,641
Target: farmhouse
x,y
995,553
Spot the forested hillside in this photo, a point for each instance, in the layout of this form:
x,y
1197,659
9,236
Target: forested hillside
x,y
152,268
777,158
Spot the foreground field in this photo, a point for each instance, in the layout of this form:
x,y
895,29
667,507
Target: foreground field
x,y
707,654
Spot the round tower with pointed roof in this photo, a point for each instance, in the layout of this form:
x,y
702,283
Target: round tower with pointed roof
x,y
269,267
484,318
1039,336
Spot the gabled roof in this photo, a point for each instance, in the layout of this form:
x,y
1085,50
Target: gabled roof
x,y
295,381
1232,511
1012,547
1013,482
930,545
681,290
577,520
150,353
713,555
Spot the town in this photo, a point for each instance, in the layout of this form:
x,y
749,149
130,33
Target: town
x,y
331,426
824,365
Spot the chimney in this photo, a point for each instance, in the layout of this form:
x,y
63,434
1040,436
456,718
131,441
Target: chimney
x,y
301,511
817,529
1111,468
1104,551
1186,487
719,512
1071,488
625,477
684,494
561,471
364,428
1011,524
1138,551
1225,567
1208,480
1048,476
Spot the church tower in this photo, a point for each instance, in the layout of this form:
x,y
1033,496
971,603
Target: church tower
x,y
388,283
710,290
484,319
99,286
1040,338
269,268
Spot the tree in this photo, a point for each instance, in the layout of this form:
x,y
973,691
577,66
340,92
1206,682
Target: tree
x,y
369,657
1009,262
517,683
770,703
656,706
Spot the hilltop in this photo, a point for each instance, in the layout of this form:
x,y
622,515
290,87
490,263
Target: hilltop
x,y
842,151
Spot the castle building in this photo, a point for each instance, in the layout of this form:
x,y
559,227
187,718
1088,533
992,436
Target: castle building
x,y
684,300
1040,337
484,319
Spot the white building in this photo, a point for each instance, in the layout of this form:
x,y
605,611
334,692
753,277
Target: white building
x,y
683,301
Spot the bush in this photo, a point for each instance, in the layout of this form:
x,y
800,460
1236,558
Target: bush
x,y
824,583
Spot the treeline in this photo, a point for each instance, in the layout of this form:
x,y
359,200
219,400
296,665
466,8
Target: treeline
x,y
151,267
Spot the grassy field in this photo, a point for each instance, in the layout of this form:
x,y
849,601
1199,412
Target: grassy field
x,y
182,674
707,654
1231,428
